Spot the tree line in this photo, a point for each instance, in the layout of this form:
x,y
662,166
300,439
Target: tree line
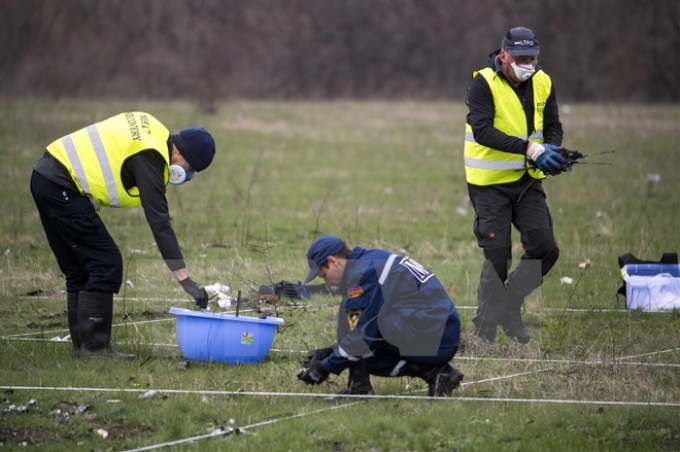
x,y
595,50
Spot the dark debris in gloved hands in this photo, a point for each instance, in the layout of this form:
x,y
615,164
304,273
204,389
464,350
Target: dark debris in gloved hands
x,y
571,156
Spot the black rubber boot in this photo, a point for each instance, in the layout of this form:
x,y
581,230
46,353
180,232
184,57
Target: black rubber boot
x,y
525,279
95,314
485,331
441,379
514,328
72,312
359,380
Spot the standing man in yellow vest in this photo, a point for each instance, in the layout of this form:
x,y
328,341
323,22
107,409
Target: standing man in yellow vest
x,y
123,161
512,137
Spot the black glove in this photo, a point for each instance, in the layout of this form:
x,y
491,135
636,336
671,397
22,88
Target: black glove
x,y
316,355
315,374
196,291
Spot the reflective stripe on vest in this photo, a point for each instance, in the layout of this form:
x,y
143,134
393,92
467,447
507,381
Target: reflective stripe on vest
x,y
497,164
488,166
95,155
79,171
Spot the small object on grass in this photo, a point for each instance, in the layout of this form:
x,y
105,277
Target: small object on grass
x,y
148,394
221,294
654,177
224,301
184,365
566,280
268,298
114,411
585,264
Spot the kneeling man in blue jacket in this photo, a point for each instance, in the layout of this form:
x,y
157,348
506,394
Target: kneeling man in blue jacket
x,y
396,319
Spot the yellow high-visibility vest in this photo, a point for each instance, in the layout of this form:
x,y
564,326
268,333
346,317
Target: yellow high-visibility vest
x,y
488,166
94,156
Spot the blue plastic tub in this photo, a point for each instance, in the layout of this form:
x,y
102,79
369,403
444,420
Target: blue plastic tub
x,y
652,287
222,337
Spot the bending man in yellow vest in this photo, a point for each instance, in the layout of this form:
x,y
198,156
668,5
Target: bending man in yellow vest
x,y
123,161
512,136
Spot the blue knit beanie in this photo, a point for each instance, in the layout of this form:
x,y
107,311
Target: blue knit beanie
x,y
196,146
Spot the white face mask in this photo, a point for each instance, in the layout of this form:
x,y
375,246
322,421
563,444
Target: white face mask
x,y
178,175
524,71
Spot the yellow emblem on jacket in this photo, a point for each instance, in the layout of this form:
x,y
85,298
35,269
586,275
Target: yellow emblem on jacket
x,y
353,317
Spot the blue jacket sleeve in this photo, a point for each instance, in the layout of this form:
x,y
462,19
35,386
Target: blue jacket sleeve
x,y
355,325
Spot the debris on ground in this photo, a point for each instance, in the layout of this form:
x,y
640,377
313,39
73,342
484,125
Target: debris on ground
x,y
19,409
148,394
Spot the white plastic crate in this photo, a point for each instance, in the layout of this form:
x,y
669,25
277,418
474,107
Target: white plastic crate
x,y
652,287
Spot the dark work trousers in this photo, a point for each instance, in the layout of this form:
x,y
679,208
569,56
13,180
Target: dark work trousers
x,y
387,361
497,208
87,255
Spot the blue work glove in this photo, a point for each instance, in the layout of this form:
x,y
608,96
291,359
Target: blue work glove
x,y
553,147
315,374
196,291
550,161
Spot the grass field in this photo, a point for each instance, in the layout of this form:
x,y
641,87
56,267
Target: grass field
x,y
389,175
